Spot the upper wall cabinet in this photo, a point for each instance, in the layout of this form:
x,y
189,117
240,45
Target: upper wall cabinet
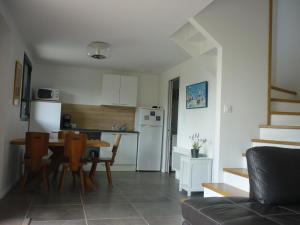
x,y
119,90
128,91
111,90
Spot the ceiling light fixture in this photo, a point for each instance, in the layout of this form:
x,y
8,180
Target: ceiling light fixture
x,y
98,50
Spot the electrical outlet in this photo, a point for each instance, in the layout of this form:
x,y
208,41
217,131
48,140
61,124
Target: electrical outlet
x,y
227,108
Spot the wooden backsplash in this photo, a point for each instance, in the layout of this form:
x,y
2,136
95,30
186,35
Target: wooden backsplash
x,y
99,117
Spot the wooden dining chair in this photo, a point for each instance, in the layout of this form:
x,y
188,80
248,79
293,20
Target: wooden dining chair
x,y
58,155
62,133
74,149
34,163
107,161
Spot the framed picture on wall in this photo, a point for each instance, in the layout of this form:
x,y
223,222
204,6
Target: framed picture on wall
x,y
197,95
17,84
26,89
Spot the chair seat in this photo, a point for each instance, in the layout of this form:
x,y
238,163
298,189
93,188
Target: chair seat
x,y
106,157
44,162
86,159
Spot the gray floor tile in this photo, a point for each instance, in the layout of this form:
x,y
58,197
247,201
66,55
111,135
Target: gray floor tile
x,y
153,197
56,212
158,209
57,199
11,221
117,222
110,211
60,222
12,211
174,220
100,198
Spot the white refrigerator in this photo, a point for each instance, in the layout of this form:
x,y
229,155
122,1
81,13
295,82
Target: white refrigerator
x,y
45,116
149,124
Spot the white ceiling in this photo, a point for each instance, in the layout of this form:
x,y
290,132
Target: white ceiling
x,y
58,31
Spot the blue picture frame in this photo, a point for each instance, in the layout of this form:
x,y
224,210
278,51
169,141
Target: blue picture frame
x,y
197,95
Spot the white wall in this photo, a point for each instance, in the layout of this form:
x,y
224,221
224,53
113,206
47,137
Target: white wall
x,y
286,48
241,28
11,49
192,121
83,85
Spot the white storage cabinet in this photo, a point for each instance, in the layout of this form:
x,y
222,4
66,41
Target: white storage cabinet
x,y
194,172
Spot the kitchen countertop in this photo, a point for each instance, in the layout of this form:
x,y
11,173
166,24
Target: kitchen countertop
x,y
100,130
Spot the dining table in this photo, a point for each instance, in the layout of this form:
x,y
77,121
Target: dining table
x,y
55,142
57,147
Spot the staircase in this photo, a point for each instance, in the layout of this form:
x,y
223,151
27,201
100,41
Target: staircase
x,y
284,131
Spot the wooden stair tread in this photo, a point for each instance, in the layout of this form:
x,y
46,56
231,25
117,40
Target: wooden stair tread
x,y
286,113
294,143
279,127
237,171
285,100
225,189
273,87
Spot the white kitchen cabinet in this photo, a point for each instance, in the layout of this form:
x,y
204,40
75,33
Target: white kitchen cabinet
x,y
119,90
111,90
193,173
128,91
127,152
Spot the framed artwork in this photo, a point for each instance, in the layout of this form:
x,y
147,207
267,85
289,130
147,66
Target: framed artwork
x,y
197,95
26,89
17,83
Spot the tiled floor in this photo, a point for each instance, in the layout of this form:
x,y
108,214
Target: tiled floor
x,y
136,199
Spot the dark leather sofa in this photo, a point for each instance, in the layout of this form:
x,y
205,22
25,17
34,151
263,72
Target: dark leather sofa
x,y
274,175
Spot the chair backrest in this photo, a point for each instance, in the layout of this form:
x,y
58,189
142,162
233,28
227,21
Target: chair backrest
x,y
63,133
115,148
36,148
74,150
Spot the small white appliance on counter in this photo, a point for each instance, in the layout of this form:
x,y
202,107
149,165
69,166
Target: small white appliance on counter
x,y
149,123
46,94
45,116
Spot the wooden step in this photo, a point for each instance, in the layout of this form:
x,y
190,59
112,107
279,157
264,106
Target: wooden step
x,y
273,87
279,127
237,171
225,190
285,100
286,113
292,143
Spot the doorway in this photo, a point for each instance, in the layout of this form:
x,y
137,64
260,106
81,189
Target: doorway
x,y
173,103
